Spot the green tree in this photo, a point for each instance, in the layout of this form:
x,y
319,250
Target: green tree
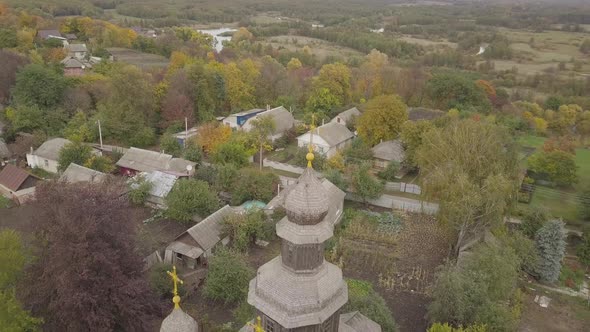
x,y
411,136
382,119
390,171
169,144
228,277
244,229
12,261
550,241
583,250
100,163
337,179
556,166
321,103
193,152
262,128
74,152
231,152
139,190
438,327
363,298
336,78
40,86
477,291
253,184
188,198
365,185
8,38
26,118
471,168
79,128
456,90
533,221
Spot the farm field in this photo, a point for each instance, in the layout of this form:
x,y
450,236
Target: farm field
x,y
320,48
429,43
142,60
399,259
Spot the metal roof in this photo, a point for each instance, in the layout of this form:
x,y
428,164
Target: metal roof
x,y
13,177
49,33
77,48
144,160
333,133
283,119
357,322
161,182
347,115
76,173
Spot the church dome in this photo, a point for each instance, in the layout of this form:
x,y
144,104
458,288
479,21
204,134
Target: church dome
x,y
179,321
308,202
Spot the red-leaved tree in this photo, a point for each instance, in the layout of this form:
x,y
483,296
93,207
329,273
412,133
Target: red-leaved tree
x,y
88,276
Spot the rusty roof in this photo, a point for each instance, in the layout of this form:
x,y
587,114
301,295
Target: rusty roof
x,y
13,177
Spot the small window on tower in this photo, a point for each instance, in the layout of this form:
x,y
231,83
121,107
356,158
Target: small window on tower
x,y
269,325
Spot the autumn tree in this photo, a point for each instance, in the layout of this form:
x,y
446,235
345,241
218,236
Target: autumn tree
x,y
211,135
242,34
11,63
471,168
336,78
178,102
411,85
189,198
556,166
240,81
321,103
102,164
112,292
262,128
456,90
231,152
370,80
382,119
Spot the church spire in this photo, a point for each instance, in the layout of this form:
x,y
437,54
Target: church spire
x,y
175,279
178,320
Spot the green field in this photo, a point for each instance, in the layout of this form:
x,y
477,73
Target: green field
x,y
530,141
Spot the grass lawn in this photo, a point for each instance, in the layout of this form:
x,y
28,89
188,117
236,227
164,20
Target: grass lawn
x,y
530,141
5,202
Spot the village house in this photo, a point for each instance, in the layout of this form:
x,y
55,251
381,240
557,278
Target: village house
x,y
17,184
139,160
76,173
282,118
192,248
237,120
186,135
347,116
74,67
327,139
386,152
162,183
46,156
78,51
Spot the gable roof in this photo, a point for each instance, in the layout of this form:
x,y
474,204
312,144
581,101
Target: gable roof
x,y
71,62
389,150
49,33
76,173
77,48
283,119
333,133
50,149
13,177
178,166
207,233
357,322
144,160
347,115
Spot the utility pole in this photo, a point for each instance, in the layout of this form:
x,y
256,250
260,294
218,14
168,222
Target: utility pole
x,y
100,134
185,132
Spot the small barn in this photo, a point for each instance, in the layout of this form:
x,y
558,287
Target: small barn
x,y
347,116
162,184
327,139
192,248
386,152
76,173
16,183
237,120
136,160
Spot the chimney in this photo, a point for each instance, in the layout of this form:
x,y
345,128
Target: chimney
x,y
31,150
267,107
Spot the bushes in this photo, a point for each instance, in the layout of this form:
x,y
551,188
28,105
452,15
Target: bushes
x,y
253,184
363,298
188,198
140,190
388,174
244,229
556,166
161,282
228,277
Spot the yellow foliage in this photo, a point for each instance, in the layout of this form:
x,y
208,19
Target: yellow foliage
x,y
294,64
540,125
242,34
178,60
453,113
337,162
527,115
211,135
382,119
25,39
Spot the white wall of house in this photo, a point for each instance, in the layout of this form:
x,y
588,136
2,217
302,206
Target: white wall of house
x,y
43,163
320,145
231,121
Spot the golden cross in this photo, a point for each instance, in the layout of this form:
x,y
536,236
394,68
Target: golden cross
x,y
175,280
258,326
